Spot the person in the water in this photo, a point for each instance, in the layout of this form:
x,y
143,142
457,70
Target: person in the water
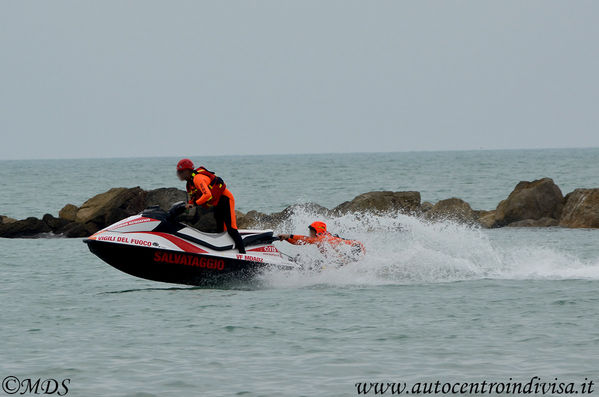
x,y
319,236
206,189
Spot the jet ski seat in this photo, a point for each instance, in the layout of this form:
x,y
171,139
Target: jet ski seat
x,y
260,238
252,239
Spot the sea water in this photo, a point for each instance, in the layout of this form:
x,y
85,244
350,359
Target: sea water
x,y
430,302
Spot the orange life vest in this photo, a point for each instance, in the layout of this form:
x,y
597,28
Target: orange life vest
x,y
217,187
326,239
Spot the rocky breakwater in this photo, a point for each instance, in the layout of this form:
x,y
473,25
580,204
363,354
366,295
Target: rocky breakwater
x,y
93,215
118,203
372,202
539,203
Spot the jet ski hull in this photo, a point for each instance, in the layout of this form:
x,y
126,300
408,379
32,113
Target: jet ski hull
x,y
154,246
175,267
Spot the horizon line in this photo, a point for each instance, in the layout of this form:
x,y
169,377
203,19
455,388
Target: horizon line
x,y
303,154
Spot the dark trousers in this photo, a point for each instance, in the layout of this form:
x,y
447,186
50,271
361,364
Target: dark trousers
x,y
224,218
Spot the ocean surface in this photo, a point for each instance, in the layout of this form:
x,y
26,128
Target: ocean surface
x,y
429,301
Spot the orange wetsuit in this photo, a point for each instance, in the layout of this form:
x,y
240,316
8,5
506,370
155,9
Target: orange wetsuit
x,y
325,240
201,194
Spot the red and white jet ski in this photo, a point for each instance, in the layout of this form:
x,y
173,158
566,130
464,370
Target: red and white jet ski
x,y
153,246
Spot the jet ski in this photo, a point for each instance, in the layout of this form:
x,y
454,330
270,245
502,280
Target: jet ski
x,y
154,246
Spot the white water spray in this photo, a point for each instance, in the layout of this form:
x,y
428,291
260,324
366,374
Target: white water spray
x,y
403,249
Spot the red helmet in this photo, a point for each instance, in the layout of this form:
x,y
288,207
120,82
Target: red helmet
x,y
184,164
319,227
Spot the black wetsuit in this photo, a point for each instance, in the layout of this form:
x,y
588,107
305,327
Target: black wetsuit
x,y
222,213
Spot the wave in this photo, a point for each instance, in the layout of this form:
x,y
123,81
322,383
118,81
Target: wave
x,y
403,249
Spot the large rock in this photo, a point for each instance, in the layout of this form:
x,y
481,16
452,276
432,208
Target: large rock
x,y
313,209
111,206
453,209
581,209
55,224
255,219
165,197
381,202
32,227
486,219
29,227
205,220
530,200
79,229
68,212
6,219
426,206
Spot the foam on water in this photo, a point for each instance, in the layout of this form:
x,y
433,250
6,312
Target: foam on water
x,y
403,249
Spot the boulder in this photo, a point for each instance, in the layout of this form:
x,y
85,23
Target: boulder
x,y
381,202
79,230
240,220
255,219
68,212
206,222
111,206
426,206
543,222
313,209
29,227
6,219
252,219
486,219
453,209
581,209
55,224
199,218
165,197
530,200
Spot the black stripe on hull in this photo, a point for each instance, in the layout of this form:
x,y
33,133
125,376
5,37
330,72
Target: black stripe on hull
x,y
172,266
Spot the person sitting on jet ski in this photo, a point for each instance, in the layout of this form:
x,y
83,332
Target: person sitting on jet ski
x,y
325,240
206,189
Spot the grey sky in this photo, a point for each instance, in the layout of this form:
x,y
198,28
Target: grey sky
x,y
171,78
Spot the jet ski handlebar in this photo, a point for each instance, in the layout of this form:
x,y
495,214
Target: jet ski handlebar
x,y
179,207
176,209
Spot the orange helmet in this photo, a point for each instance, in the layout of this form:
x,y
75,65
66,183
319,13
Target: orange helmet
x,y
184,164
319,227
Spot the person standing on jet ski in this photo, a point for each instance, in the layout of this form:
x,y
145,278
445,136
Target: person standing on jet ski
x,y
324,240
206,189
